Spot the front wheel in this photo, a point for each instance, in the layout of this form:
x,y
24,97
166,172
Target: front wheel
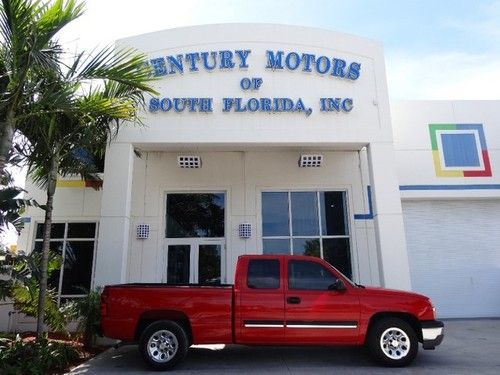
x,y
163,344
392,342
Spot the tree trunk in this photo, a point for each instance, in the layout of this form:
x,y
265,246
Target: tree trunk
x,y
6,135
51,189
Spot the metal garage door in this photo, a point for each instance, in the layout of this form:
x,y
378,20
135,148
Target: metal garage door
x,y
454,254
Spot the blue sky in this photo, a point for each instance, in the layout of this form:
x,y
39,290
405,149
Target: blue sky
x,y
434,49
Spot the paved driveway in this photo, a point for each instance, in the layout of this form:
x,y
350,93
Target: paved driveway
x,y
469,347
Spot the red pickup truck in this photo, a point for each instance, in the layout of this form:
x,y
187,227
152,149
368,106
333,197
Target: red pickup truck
x,y
276,300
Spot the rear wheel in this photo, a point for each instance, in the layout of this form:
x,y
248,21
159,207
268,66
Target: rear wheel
x,y
392,342
163,344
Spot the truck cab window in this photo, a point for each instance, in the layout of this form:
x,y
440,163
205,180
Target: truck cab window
x,y
309,275
264,274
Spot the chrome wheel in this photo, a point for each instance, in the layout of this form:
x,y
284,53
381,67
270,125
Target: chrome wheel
x,y
395,343
162,346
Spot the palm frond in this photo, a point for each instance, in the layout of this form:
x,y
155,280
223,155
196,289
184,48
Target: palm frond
x,y
125,66
54,16
12,206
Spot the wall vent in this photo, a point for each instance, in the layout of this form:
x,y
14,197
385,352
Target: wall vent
x,y
306,161
189,161
142,232
245,230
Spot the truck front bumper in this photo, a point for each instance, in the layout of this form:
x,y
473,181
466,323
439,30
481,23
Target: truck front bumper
x,y
432,333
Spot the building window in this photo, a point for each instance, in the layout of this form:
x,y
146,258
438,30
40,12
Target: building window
x,y
307,223
75,242
195,215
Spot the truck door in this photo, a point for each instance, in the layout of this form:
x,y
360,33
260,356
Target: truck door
x,y
260,303
314,313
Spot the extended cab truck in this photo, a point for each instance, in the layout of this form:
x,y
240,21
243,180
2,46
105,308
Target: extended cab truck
x,y
276,300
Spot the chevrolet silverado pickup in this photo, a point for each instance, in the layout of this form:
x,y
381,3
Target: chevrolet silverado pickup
x,y
275,300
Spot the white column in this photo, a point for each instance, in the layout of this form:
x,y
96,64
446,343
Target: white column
x,y
114,227
388,217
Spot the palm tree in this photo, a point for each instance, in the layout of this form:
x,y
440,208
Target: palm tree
x,y
27,30
73,115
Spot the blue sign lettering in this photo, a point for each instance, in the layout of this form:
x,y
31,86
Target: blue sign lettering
x,y
321,64
275,60
181,104
242,55
263,105
335,104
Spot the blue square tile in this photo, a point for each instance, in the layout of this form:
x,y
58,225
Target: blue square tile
x,y
460,150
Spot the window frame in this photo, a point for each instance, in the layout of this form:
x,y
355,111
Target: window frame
x,y
249,286
64,240
320,235
289,273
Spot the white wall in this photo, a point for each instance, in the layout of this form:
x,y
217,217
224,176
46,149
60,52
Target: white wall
x,y
243,176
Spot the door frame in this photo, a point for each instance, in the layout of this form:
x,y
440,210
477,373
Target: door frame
x,y
194,255
194,242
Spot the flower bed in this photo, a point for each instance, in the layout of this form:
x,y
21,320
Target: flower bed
x,y
55,354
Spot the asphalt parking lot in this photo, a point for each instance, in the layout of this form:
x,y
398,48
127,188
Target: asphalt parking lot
x,y
469,347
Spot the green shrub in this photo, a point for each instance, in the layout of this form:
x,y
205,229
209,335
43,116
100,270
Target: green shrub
x,y
21,280
86,310
34,357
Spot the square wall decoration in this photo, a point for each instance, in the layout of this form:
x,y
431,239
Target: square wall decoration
x,y
459,150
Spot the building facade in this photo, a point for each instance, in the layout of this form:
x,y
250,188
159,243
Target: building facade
x,y
278,139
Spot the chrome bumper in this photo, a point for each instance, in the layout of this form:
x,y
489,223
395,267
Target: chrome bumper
x,y
432,334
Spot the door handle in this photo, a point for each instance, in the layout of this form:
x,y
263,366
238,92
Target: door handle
x,y
293,300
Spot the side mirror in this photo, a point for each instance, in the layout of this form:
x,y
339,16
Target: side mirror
x,y
338,285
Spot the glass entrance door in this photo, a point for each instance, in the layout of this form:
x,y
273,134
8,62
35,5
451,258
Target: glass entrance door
x,y
197,262
195,238
179,264
209,264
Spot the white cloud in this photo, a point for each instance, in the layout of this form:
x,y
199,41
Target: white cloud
x,y
485,25
103,22
455,75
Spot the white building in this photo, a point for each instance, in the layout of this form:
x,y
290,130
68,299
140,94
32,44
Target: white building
x,y
269,138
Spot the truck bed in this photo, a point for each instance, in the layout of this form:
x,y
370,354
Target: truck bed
x,y
207,309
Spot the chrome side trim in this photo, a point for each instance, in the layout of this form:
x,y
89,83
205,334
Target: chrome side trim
x,y
321,326
264,326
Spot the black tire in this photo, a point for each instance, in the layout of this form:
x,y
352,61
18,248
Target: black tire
x,y
392,342
163,345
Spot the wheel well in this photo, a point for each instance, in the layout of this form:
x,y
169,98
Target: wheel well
x,y
152,316
410,319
